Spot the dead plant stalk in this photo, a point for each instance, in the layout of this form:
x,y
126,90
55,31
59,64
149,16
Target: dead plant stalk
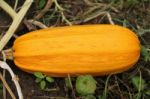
x,y
17,18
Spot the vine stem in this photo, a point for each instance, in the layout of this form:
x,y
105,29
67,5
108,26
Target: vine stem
x,y
16,3
46,9
17,18
4,65
16,22
106,87
36,23
7,8
62,13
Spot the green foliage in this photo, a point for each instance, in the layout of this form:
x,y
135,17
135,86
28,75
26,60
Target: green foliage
x,y
140,85
132,2
85,85
68,83
42,80
145,53
100,97
104,96
147,92
41,4
37,80
43,84
49,79
138,82
88,97
39,75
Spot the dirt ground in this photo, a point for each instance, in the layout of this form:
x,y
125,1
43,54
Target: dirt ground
x,y
134,15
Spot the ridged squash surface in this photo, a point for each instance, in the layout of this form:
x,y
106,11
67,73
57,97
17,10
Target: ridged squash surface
x,y
75,50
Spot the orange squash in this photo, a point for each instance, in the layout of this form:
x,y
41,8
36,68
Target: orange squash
x,y
75,50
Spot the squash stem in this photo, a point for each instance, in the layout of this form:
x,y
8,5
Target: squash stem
x,y
7,54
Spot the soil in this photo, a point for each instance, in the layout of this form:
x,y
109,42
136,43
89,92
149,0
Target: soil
x,y
135,15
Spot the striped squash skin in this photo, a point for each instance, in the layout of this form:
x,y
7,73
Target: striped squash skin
x,y
75,50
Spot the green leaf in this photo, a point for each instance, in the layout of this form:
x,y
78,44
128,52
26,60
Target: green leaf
x,y
139,83
129,3
137,95
41,4
147,92
39,75
50,79
42,84
145,53
100,97
38,80
89,97
132,2
85,85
